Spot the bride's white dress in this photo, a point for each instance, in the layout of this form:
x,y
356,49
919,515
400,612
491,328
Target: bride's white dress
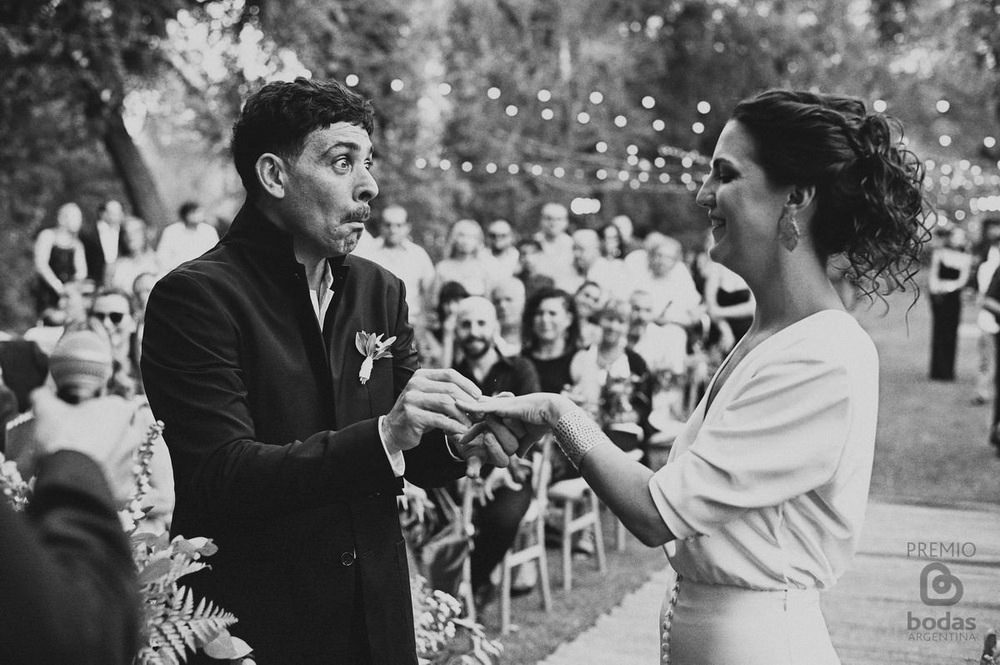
x,y
766,493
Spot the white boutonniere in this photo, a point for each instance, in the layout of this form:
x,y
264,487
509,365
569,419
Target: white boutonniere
x,y
373,348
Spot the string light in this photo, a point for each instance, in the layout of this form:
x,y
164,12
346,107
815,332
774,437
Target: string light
x,y
351,80
960,176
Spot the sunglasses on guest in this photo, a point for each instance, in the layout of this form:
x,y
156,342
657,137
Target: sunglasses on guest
x,y
116,317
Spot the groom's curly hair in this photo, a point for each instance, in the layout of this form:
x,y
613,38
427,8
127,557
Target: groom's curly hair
x,y
278,118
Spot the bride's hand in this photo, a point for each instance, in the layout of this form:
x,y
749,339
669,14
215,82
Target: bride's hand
x,y
528,417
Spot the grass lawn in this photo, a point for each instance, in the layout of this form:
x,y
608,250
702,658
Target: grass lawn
x,y
931,448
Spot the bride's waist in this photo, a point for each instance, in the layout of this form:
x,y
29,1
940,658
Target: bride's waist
x,y
744,598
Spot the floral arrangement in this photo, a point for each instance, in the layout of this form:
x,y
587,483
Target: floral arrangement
x,y
444,637
173,622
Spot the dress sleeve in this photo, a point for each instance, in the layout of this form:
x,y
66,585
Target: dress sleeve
x,y
780,436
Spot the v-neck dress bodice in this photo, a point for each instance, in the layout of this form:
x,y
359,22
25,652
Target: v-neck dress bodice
x,y
767,489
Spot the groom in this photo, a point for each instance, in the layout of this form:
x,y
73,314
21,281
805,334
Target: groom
x,y
284,452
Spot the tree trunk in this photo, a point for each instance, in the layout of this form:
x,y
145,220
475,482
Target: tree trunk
x,y
140,186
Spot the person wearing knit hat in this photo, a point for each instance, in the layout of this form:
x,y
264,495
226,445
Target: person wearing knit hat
x,y
80,365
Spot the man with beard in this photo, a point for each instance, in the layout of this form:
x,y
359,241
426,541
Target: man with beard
x,y
285,372
506,492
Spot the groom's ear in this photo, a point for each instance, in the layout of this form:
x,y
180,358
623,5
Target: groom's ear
x,y
272,174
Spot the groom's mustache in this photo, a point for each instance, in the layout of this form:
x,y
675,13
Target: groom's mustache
x,y
362,214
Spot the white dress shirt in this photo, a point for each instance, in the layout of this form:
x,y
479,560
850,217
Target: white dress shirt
x,y
321,303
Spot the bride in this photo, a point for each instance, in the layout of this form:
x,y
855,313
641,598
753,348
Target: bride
x,y
764,494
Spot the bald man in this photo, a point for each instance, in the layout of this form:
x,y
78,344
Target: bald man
x,y
497,520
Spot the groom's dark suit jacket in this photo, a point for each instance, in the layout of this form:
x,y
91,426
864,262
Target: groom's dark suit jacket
x,y
275,445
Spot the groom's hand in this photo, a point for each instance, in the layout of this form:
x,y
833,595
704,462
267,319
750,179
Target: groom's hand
x,y
429,401
487,442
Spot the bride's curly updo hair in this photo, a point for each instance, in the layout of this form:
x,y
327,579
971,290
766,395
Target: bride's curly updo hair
x,y
869,187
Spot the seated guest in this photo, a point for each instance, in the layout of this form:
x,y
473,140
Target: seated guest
x,y
550,334
404,258
508,490
589,299
529,271
68,583
611,242
440,348
187,239
612,382
113,311
668,280
557,245
590,266
81,367
135,258
468,262
508,298
500,241
664,348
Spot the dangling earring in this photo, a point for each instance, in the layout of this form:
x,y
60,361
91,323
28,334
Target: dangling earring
x,y
788,229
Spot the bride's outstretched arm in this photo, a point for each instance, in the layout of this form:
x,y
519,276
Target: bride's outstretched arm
x,y
622,483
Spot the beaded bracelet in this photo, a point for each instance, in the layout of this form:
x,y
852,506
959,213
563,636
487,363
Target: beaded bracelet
x,y
577,435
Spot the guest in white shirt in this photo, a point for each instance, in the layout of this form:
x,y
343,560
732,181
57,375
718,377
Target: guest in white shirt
x,y
675,297
556,243
187,239
407,260
500,240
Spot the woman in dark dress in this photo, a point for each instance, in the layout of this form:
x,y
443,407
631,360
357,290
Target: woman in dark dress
x,y
59,257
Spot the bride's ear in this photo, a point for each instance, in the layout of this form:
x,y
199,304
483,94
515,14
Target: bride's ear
x,y
801,197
